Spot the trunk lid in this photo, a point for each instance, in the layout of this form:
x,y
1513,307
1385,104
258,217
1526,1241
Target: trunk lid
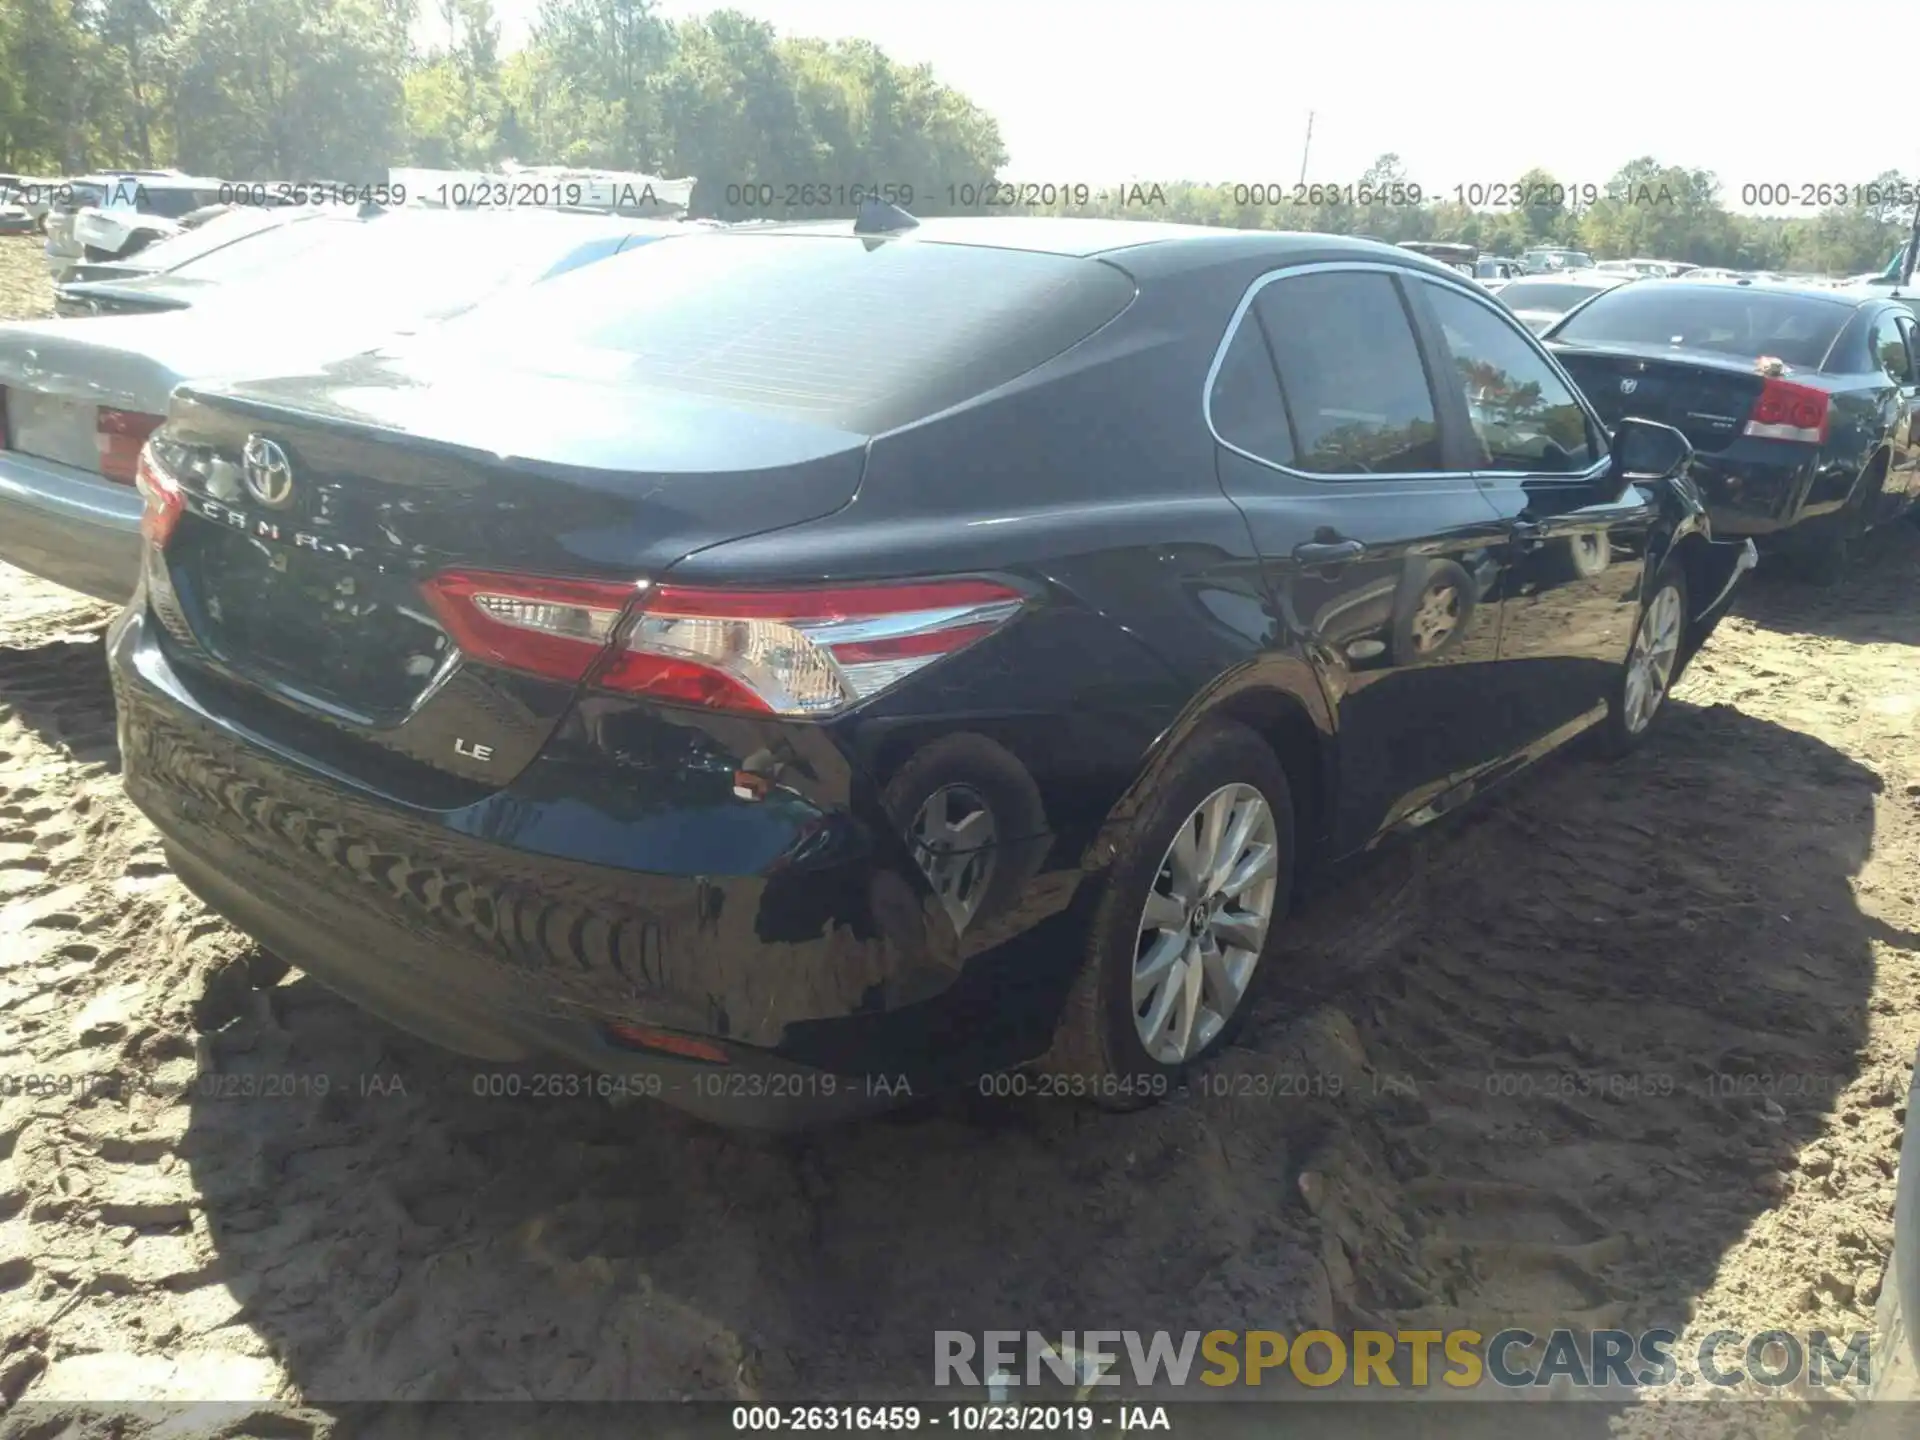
x,y
1706,397
58,374
314,604
52,427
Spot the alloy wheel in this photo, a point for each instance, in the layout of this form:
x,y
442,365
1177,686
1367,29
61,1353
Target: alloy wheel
x,y
1435,618
1656,644
1205,923
953,834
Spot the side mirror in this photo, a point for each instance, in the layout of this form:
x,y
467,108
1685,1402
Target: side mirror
x,y
1646,450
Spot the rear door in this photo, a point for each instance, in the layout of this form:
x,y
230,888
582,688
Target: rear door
x,y
1574,552
1378,549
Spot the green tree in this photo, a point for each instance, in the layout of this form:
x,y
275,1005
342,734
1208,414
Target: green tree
x,y
290,89
584,89
455,106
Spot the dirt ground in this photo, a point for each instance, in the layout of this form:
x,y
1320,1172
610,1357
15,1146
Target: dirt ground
x,y
1627,1047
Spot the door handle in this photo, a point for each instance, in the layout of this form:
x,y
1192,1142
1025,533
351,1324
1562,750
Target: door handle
x,y
1328,552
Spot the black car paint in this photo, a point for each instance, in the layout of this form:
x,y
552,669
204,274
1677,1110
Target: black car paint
x,y
1782,493
606,869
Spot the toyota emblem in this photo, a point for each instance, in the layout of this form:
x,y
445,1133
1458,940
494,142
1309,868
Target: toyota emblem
x,y
1627,387
269,476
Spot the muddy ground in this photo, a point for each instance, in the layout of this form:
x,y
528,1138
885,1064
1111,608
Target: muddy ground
x,y
1627,1047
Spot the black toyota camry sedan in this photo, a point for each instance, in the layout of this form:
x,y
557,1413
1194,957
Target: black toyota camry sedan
x,y
788,669
1803,404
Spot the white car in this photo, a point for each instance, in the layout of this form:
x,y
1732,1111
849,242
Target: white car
x,y
1539,300
244,244
105,217
78,397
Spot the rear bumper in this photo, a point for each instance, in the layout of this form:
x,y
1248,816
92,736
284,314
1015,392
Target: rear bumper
x,y
1765,496
829,984
69,527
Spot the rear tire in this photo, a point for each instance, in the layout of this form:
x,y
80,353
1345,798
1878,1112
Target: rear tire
x,y
1825,561
1214,843
1659,635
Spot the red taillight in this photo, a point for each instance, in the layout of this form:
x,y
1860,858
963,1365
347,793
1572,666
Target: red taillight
x,y
163,499
642,1037
784,652
120,434
1786,411
800,652
556,628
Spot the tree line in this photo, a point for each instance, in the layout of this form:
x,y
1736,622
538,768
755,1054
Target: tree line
x,y
1647,209
339,90
776,127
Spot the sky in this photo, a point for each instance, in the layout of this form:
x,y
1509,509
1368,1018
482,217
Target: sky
x,y
1466,94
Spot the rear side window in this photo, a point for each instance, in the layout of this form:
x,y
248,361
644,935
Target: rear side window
x,y
1889,348
1245,402
1351,372
860,334
1524,416
1742,321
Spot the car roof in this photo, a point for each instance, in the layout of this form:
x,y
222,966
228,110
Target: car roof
x,y
1177,246
1803,288
1907,295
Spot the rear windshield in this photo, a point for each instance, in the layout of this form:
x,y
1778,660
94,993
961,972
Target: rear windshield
x,y
1561,259
1553,296
1730,320
70,197
272,242
406,268
221,230
862,335
170,203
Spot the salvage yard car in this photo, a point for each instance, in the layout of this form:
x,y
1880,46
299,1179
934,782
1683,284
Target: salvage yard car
x,y
1539,301
244,244
1801,402
109,217
78,397
1549,259
786,668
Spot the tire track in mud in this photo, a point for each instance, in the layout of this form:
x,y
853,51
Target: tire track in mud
x,y
274,1197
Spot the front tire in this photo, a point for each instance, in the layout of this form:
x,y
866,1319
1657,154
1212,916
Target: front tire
x,y
1640,692
1189,911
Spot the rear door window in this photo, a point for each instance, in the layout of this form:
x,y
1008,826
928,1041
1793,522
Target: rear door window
x,y
1351,371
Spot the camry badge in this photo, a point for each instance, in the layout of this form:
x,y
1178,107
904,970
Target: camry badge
x,y
268,475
